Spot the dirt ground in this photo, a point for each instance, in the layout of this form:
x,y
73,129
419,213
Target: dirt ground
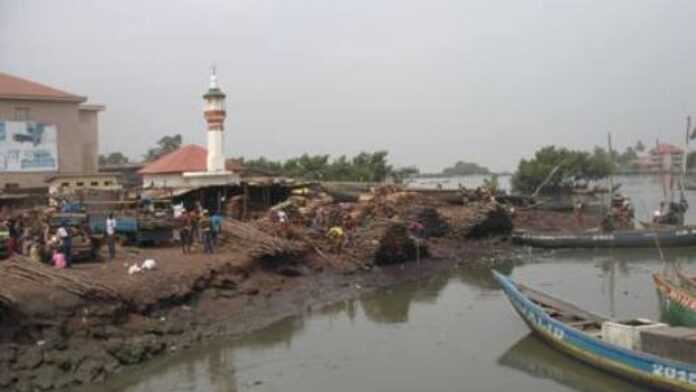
x,y
104,320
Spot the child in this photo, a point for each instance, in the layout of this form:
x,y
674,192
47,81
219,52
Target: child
x,y
58,259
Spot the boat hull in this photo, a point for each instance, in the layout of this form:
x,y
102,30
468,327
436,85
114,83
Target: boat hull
x,y
678,306
667,238
634,366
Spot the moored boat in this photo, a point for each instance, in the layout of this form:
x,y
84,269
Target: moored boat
x,y
627,349
665,236
678,303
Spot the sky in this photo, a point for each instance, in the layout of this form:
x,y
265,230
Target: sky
x,y
431,81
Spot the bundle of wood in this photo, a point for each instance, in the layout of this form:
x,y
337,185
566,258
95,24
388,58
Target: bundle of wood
x,y
478,220
156,223
385,242
261,245
433,224
45,275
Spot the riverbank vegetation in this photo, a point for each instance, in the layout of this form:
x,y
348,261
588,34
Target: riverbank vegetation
x,y
365,166
570,166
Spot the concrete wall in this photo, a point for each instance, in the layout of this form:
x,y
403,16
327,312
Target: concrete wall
x,y
76,132
174,180
69,184
177,180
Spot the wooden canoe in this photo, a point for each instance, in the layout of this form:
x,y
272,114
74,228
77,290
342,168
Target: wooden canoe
x,y
667,237
678,304
578,333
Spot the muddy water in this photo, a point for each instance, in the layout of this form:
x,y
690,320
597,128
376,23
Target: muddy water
x,y
450,332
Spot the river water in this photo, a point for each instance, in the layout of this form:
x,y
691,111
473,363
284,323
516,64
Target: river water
x,y
450,332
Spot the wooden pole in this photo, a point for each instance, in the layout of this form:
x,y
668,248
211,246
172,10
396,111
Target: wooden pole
x,y
611,170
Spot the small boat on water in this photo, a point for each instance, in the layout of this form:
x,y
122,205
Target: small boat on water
x,y
668,236
678,303
635,349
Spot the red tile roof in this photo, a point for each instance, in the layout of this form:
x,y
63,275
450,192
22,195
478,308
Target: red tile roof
x,y
190,158
664,148
18,88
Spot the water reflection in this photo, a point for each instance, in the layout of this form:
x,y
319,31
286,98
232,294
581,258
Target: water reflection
x,y
531,356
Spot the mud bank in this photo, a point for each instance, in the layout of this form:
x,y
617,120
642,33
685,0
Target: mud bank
x,y
80,336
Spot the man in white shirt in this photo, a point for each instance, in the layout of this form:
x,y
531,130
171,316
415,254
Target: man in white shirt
x,y
110,235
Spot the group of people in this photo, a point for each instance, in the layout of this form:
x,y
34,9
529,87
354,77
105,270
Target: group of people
x,y
199,225
671,213
39,241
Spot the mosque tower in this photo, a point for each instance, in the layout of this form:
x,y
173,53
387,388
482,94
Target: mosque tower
x,y
214,114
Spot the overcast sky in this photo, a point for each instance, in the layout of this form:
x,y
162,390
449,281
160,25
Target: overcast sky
x,y
432,81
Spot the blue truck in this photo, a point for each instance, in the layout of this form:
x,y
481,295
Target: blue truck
x,y
130,230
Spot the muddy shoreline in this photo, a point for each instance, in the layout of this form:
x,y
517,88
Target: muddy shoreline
x,y
88,341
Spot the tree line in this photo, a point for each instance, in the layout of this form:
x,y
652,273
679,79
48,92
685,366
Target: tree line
x,y
363,167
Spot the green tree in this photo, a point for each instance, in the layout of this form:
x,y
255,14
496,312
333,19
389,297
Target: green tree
x,y
114,158
165,145
362,167
572,166
462,168
640,147
404,173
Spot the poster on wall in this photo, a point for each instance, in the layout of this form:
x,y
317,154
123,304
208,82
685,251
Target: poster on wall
x,y
27,146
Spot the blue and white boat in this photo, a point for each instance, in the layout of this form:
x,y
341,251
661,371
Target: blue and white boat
x,y
626,349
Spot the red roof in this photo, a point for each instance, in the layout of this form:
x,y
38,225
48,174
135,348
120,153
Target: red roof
x,y
664,149
190,158
18,88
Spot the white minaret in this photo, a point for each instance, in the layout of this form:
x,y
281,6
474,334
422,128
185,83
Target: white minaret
x,y
214,113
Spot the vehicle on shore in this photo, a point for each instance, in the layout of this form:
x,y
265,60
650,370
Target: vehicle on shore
x,y
634,349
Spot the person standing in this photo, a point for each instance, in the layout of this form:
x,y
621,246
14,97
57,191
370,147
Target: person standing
x,y
111,235
195,225
216,226
336,236
206,231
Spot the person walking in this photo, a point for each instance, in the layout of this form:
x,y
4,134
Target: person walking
x,y
111,235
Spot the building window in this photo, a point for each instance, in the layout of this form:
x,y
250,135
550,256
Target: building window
x,y
107,183
94,183
21,114
11,185
80,184
65,184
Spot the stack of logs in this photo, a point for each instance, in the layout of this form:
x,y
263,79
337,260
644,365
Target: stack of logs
x,y
262,246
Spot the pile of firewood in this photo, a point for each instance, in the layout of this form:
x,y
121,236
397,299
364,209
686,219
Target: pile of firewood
x,y
261,245
385,242
44,275
478,220
433,224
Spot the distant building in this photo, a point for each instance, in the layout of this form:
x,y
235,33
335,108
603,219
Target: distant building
x,y
662,157
128,173
68,183
44,132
